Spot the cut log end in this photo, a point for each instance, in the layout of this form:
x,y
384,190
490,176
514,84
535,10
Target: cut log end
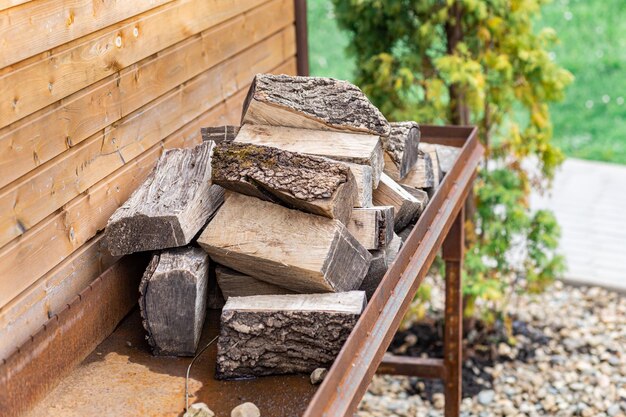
x,y
219,134
401,149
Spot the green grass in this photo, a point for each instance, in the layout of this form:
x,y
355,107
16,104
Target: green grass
x,y
591,122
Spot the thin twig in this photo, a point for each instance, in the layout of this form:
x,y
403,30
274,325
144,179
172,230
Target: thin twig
x,y
189,370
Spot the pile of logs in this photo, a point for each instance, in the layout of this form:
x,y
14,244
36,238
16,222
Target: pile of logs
x,y
291,220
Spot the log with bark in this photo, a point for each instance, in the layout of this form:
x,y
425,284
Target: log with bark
x,y
173,295
308,183
285,247
390,193
382,259
236,284
350,147
283,334
219,134
311,103
170,207
431,150
401,149
372,226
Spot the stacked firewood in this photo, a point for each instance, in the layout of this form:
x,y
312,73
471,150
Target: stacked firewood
x,y
293,217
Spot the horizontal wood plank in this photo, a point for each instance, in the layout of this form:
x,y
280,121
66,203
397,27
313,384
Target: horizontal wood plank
x,y
36,195
53,75
32,28
24,314
5,4
24,145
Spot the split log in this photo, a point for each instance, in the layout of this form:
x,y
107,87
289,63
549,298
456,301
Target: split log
x,y
283,334
341,146
390,193
236,284
375,273
401,149
431,150
381,261
311,103
173,294
363,177
308,183
422,175
215,298
288,248
421,196
219,134
170,207
447,157
372,226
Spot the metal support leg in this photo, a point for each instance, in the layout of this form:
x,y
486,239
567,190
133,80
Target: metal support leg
x,y
453,255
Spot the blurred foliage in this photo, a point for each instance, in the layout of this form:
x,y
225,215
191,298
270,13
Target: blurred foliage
x,y
481,63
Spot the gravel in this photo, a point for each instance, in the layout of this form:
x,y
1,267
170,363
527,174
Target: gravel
x,y
569,359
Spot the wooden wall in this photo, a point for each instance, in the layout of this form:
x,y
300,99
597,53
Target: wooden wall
x,y
91,92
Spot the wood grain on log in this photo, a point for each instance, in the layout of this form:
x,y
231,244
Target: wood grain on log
x,y
342,146
236,284
382,259
170,207
421,175
372,226
219,134
173,298
311,103
390,193
308,183
431,150
282,334
401,149
363,177
421,196
288,248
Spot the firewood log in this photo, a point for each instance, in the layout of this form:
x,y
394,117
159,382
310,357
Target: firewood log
x,y
447,156
308,183
431,150
311,103
173,294
219,134
283,334
401,149
170,207
236,284
382,259
406,207
372,226
289,248
350,147
363,177
422,175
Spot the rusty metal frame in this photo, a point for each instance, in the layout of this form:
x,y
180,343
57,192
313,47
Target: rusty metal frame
x,y
361,355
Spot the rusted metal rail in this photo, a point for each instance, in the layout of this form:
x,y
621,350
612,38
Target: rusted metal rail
x,y
120,377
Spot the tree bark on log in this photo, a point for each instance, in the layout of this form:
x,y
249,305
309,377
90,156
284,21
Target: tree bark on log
x,y
283,334
294,250
372,226
170,207
401,149
236,284
308,183
350,147
406,207
311,103
219,134
173,295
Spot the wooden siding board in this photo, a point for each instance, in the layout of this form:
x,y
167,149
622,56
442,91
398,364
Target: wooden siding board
x,y
24,145
29,29
30,199
24,314
55,74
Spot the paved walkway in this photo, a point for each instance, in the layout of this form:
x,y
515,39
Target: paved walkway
x,y
589,200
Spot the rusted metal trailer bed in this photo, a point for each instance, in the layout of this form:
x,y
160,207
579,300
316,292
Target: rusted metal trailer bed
x,y
80,363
